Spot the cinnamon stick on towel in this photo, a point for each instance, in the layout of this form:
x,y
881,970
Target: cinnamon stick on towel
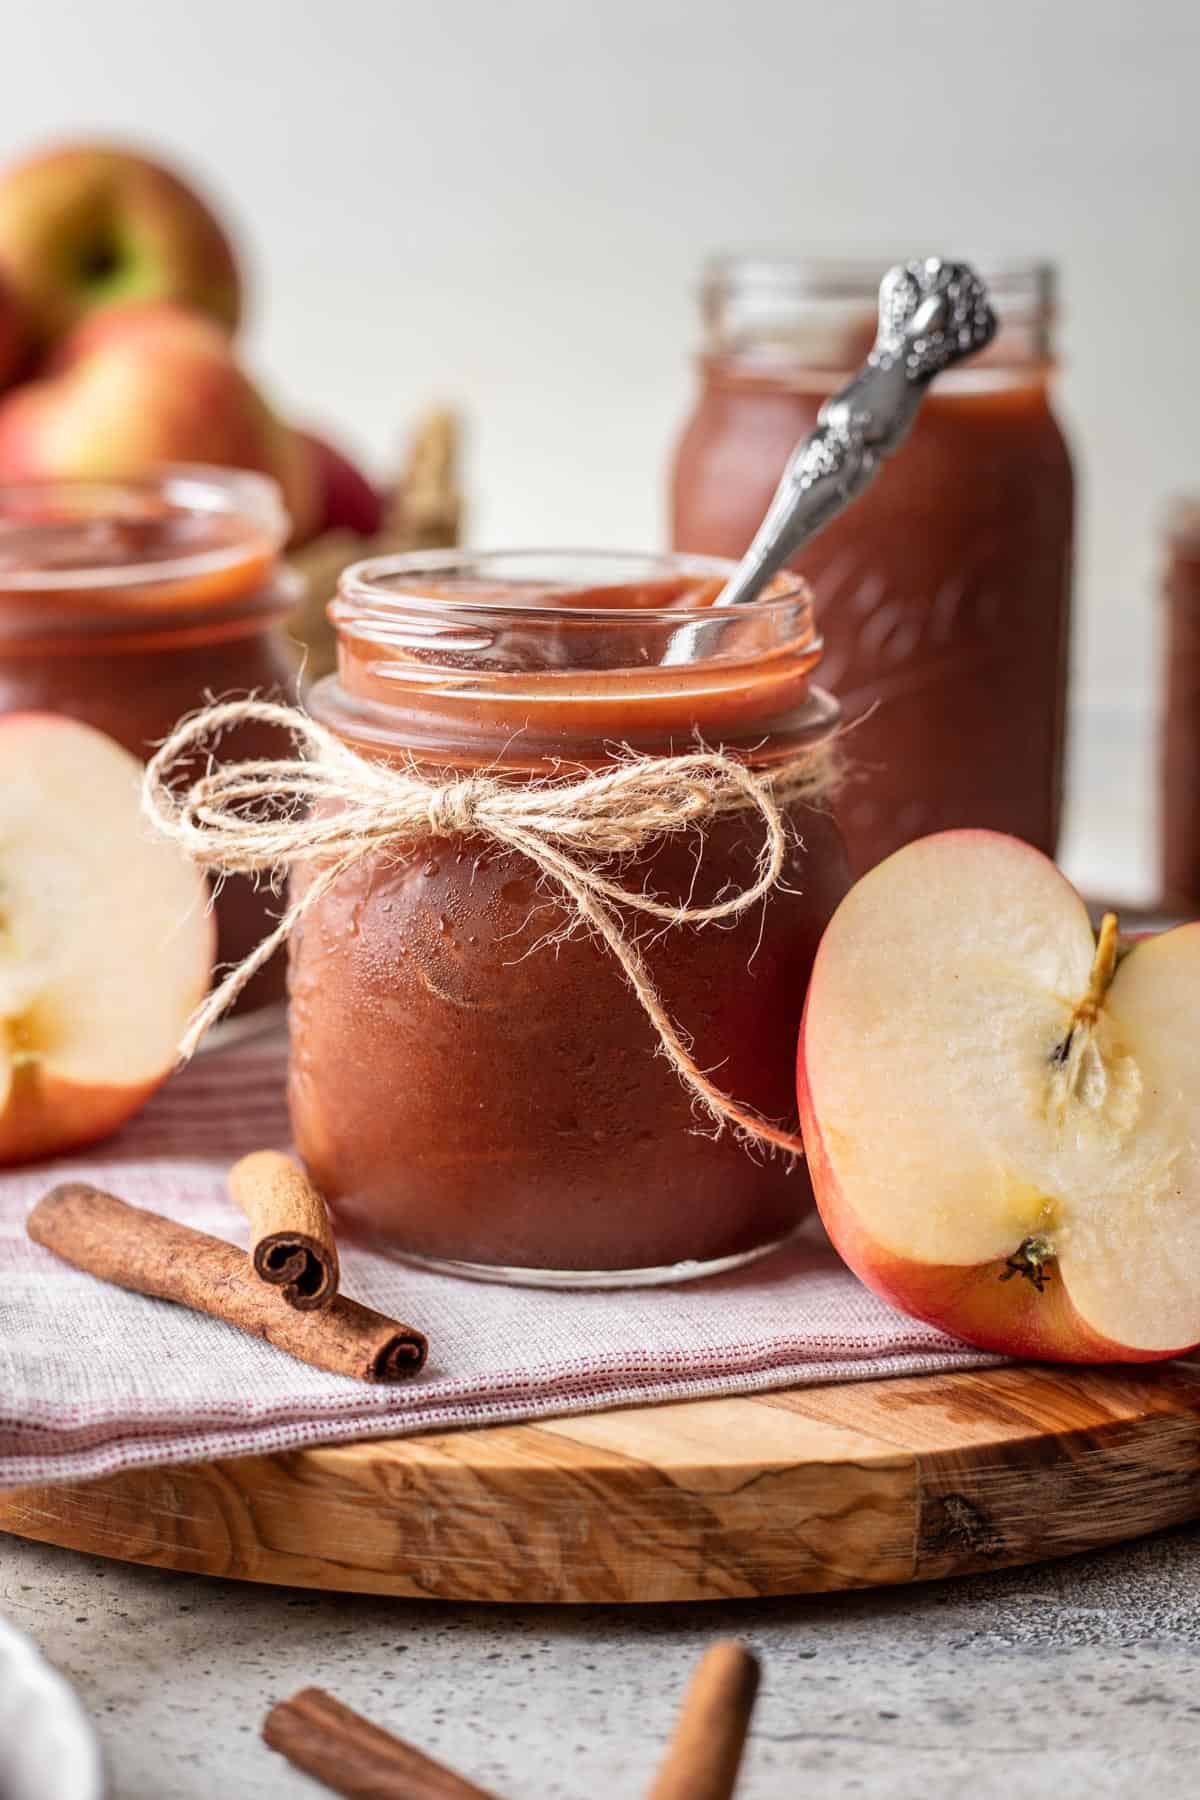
x,y
349,1754
149,1254
291,1237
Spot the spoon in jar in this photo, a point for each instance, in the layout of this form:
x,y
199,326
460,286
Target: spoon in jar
x,y
932,314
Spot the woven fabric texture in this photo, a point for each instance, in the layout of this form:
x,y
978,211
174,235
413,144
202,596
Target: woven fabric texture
x,y
93,1379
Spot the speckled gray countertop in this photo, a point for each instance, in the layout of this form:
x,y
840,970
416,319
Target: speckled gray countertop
x,y
1076,1678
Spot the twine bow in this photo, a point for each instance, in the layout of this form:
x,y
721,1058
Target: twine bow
x,y
330,807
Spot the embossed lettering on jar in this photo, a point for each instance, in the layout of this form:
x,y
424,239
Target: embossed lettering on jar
x,y
943,593
467,1084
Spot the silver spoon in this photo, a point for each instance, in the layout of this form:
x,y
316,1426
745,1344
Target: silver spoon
x,y
932,314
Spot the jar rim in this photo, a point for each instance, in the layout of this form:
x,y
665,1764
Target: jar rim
x,y
196,488
856,275
765,311
499,677
367,588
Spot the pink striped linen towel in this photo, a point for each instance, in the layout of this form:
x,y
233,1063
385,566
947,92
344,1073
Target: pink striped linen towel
x,y
94,1380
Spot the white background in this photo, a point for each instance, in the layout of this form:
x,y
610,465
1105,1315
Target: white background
x,y
505,203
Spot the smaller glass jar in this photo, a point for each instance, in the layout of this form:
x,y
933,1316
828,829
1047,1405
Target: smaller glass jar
x,y
471,1084
943,593
126,604
1179,767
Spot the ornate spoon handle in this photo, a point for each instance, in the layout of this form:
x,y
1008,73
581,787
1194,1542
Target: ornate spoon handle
x,y
932,314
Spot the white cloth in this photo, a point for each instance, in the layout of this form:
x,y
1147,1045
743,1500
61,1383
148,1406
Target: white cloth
x,y
93,1379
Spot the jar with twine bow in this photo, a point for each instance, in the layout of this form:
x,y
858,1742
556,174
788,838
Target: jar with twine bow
x,y
561,853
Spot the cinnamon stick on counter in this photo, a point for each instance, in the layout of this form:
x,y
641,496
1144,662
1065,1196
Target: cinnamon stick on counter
x,y
706,1750
292,1244
349,1754
149,1254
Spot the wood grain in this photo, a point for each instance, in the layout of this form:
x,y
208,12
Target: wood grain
x,y
1021,1464
804,1491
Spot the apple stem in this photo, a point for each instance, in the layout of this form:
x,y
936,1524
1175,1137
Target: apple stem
x,y
1104,965
1030,1262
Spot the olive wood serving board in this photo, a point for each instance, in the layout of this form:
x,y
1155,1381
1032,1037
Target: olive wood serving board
x,y
801,1491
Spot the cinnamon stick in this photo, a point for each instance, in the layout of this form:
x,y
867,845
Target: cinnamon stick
x,y
706,1750
292,1243
353,1757
149,1254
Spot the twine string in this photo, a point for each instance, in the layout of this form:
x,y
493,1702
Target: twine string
x,y
331,808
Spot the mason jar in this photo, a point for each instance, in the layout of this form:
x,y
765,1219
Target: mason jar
x,y
1179,742
126,604
473,1081
943,593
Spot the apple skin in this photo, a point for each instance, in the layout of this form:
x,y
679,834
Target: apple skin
x,y
348,501
1009,1317
47,1116
84,226
134,322
14,336
143,385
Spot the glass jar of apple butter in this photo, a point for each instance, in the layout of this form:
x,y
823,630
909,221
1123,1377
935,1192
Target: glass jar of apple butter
x,y
1179,742
476,1085
125,604
942,594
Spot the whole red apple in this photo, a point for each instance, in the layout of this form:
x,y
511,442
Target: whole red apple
x,y
348,501
86,225
143,385
1001,1109
133,323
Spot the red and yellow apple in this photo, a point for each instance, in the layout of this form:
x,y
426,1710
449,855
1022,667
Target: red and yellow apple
x,y
85,225
14,336
1002,1110
348,501
106,939
142,385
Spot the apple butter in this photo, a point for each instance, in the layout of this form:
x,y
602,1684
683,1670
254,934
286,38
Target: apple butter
x,y
125,604
471,1082
943,593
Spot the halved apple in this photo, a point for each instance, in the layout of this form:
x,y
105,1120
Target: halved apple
x,y
1002,1110
106,938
